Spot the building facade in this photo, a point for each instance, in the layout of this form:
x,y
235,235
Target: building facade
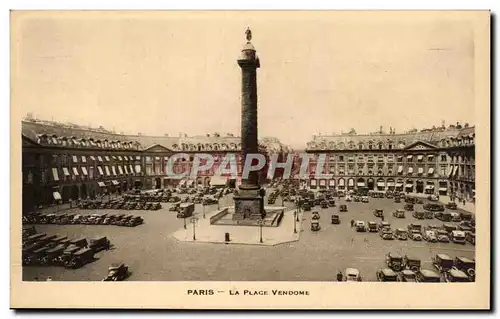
x,y
67,162
435,161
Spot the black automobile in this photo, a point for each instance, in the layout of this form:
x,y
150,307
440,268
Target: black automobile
x,y
386,274
335,219
394,261
433,207
343,208
426,275
117,272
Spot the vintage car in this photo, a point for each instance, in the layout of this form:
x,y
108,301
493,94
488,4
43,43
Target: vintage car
x,y
384,225
51,256
399,213
449,227
352,275
386,274
455,217
117,272
458,237
348,198
331,203
433,198
471,238
360,226
80,242
99,243
306,206
315,215
80,258
430,236
429,215
451,205
401,234
372,227
335,219
409,207
386,234
466,265
411,263
466,216
343,208
315,225
378,212
34,238
415,235
397,200
365,199
418,215
271,200
394,261
433,207
356,199
442,262
442,236
456,275
324,204
174,207
407,276
426,275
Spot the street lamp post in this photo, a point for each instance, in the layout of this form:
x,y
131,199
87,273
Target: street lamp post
x,y
194,220
260,222
295,222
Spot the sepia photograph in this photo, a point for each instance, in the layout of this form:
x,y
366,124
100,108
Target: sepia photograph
x,y
250,154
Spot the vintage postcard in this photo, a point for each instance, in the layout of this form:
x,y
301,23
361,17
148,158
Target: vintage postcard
x,y
250,160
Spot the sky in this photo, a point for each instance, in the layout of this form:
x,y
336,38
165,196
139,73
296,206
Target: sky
x,y
170,72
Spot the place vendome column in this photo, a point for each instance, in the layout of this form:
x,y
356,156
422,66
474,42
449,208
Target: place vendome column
x,y
249,202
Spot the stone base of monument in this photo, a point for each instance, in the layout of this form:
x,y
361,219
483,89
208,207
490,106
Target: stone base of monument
x,y
230,216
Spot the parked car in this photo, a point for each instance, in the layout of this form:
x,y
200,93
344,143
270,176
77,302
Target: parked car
x,y
455,217
394,261
372,227
399,213
378,212
401,234
352,275
343,208
386,234
117,272
407,276
466,265
315,215
315,225
442,262
426,275
99,243
360,226
433,198
324,204
429,215
451,205
458,237
384,225
331,203
430,236
411,263
442,236
365,199
409,207
386,274
433,207
418,215
415,235
470,237
335,219
80,258
456,275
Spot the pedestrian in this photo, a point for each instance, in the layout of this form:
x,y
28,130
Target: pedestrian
x,y
340,276
464,202
352,223
382,217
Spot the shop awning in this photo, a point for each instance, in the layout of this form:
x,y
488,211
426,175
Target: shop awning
x,y
106,168
84,171
138,158
410,170
431,170
218,181
137,169
57,195
409,157
399,184
400,169
75,171
99,168
420,170
409,185
443,189
450,170
125,168
66,171
75,159
114,182
120,158
390,184
106,158
84,159
420,157
113,170
92,158
361,184
55,174
101,184
99,158
131,169
380,184
120,169
430,157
